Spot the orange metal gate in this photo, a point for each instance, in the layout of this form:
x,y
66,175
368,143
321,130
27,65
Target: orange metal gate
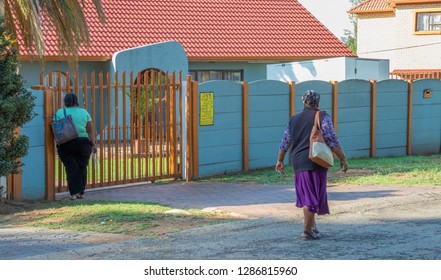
x,y
138,122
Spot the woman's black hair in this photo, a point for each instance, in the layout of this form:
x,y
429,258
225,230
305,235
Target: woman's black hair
x,y
71,100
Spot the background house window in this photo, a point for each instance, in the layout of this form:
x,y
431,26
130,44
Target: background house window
x,y
209,75
428,21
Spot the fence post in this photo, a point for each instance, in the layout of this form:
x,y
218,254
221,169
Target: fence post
x,y
14,181
188,167
195,130
292,98
49,144
116,112
171,87
409,117
373,118
180,165
335,105
245,142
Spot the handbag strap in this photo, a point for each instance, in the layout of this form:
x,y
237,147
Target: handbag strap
x,y
65,115
317,120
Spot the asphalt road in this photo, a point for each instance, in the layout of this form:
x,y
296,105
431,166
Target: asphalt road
x,y
366,223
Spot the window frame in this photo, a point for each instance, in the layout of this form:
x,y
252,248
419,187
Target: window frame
x,y
415,19
240,71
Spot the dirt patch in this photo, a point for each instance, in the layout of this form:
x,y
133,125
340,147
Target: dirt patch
x,y
106,237
24,214
169,224
351,172
11,207
403,175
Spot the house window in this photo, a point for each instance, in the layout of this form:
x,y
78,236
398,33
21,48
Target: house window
x,y
428,22
209,75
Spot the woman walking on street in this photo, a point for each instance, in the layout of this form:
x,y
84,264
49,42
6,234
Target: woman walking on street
x,y
75,154
310,179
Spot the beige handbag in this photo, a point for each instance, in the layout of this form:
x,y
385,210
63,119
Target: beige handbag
x,y
319,151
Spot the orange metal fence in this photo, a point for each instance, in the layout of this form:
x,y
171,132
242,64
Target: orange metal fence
x,y
410,75
138,119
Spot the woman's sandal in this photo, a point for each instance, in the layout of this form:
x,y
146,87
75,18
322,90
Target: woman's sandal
x,y
80,196
315,230
309,235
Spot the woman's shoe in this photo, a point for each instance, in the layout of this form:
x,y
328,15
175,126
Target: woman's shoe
x,y
80,196
73,197
309,235
315,230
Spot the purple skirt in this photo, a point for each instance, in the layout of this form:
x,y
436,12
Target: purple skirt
x,y
311,191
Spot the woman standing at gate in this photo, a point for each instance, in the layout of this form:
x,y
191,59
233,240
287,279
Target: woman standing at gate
x,y
75,154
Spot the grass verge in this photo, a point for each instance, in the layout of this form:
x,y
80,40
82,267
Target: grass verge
x,y
405,171
128,218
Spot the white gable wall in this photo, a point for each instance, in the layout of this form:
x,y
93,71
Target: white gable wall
x,y
389,36
416,51
376,36
329,69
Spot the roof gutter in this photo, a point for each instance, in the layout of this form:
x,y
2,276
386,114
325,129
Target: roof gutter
x,y
393,3
371,11
251,59
65,58
258,59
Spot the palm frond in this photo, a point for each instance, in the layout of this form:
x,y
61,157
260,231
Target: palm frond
x,y
30,19
22,21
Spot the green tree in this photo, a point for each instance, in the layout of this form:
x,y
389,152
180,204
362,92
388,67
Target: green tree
x,y
350,38
16,106
22,18
65,17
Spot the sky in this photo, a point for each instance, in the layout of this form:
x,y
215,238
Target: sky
x,y
332,13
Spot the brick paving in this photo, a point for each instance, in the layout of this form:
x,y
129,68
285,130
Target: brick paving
x,y
251,200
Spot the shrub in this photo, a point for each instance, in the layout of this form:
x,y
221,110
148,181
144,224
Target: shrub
x,y
16,106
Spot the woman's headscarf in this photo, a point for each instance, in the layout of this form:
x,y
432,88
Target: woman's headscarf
x,y
311,98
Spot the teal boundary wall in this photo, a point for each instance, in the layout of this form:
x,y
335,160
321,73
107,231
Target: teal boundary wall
x,y
220,145
392,118
266,120
34,169
354,117
426,117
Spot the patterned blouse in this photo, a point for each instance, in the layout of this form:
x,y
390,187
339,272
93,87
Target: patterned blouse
x,y
327,131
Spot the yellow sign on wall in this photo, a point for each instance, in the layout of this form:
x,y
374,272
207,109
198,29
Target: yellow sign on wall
x,y
206,108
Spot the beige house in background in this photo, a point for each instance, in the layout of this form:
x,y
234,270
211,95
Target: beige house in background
x,y
407,32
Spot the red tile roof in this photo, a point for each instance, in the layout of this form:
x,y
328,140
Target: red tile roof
x,y
210,29
370,6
